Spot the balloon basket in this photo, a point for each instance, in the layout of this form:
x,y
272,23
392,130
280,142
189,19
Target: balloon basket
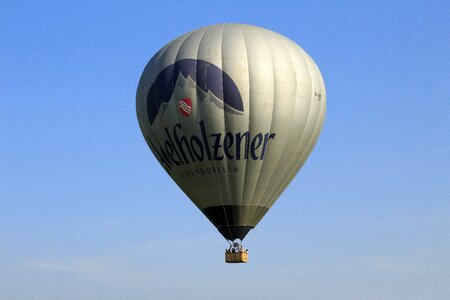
x,y
233,258
236,254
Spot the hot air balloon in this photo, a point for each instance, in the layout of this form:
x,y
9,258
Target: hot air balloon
x,y
231,112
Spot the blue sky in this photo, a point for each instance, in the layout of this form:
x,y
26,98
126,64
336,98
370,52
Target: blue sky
x,y
86,212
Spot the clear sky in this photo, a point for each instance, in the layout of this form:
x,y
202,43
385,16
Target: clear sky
x,y
86,212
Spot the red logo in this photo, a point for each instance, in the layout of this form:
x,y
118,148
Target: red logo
x,y
185,106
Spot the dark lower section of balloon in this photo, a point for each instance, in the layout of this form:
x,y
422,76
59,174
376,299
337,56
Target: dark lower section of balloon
x,y
234,232
235,221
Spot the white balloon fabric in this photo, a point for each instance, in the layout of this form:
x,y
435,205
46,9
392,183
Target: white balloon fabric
x,y
231,112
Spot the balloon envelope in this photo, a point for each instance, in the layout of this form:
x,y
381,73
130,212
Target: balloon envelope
x,y
231,112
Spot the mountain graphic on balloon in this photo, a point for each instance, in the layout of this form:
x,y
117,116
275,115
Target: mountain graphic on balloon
x,y
208,79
